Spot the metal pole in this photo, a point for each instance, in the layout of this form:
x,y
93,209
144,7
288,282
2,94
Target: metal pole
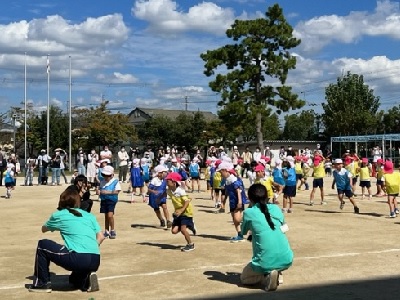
x,y
70,117
14,118
25,117
48,105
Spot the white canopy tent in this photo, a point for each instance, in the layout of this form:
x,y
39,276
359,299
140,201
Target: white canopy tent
x,y
381,138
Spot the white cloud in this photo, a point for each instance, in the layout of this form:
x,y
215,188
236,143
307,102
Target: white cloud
x,y
165,17
323,30
117,78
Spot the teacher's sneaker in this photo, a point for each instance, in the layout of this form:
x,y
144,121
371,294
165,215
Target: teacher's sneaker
x,y
271,281
93,283
45,288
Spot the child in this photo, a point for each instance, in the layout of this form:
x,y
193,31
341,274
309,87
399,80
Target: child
x,y
194,172
237,197
74,175
343,180
157,190
183,214
278,179
391,181
319,174
289,191
365,171
266,181
298,166
9,179
29,169
328,167
306,170
136,180
218,188
184,174
108,190
379,173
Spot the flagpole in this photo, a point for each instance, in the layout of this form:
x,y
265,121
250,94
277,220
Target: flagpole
x,y
25,117
70,116
48,104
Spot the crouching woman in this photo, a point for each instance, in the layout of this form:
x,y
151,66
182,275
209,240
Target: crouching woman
x,y
80,253
271,250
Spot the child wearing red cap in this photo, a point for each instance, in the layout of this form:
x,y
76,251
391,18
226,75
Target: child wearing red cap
x,y
298,166
183,214
391,181
365,171
266,181
319,174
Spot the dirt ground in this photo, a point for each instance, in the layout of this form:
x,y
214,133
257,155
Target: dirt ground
x,y
338,255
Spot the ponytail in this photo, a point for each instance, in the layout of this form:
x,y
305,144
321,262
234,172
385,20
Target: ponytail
x,y
74,212
258,194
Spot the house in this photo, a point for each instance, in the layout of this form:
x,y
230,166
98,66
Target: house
x,y
140,115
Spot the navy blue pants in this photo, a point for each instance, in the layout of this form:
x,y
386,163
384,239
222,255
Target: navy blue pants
x,y
81,264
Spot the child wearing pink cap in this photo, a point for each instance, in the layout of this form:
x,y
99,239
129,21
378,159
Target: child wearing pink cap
x,y
365,171
391,182
183,214
319,174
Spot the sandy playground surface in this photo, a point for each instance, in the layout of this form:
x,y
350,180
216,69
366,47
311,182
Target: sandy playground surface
x,y
338,255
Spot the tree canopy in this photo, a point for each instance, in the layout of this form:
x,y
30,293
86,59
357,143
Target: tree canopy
x,y
256,68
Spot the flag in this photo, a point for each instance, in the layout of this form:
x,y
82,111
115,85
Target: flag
x,y
48,65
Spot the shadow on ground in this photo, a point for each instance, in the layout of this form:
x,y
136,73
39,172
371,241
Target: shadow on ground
x,y
382,289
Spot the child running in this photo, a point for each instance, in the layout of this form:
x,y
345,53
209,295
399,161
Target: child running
x,y
237,197
194,172
183,214
157,191
380,192
365,171
391,182
9,179
343,180
319,174
108,190
289,191
136,179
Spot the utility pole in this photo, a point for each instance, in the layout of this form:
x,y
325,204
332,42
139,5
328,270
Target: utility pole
x,y
186,103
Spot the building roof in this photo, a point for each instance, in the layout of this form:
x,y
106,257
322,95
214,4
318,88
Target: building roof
x,y
170,113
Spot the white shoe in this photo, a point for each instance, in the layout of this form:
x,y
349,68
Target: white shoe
x,y
271,281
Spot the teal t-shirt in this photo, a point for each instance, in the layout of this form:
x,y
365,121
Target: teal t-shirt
x,y
78,233
271,249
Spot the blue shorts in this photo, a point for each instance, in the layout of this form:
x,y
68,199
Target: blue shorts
x,y
182,220
318,182
348,193
365,183
107,206
289,191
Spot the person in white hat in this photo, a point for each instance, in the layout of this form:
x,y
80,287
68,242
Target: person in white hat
x,y
343,180
157,191
108,190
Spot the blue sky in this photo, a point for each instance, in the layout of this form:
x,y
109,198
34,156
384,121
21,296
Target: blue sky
x,y
145,53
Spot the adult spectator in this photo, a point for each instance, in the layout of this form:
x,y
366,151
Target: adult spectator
x,y
43,161
235,156
247,157
123,158
63,163
80,254
268,153
271,250
257,154
107,155
212,152
55,168
186,155
3,164
81,162
290,151
221,152
91,171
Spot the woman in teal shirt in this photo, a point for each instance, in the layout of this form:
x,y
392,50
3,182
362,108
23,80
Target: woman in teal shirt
x,y
80,253
271,249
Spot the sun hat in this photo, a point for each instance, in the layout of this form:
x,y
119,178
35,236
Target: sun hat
x,y
225,166
338,161
174,176
107,170
388,167
259,168
160,168
380,161
364,160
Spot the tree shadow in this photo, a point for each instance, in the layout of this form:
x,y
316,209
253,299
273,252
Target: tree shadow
x,y
213,236
161,246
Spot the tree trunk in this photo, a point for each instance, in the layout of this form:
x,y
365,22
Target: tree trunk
x,y
260,138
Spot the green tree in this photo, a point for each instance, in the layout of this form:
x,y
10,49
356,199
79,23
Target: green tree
x,y
351,107
390,120
98,127
260,51
300,126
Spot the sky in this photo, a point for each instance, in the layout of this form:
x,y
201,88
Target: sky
x,y
146,53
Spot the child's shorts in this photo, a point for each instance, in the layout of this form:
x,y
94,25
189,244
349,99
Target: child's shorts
x,y
299,176
289,191
379,182
182,220
107,206
348,193
318,182
365,183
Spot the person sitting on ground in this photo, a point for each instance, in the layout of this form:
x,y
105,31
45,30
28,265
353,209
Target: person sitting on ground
x,y
80,253
271,249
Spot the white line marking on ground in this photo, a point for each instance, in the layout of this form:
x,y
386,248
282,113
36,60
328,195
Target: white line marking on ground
x,y
161,272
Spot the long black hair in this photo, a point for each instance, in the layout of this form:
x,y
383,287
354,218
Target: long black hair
x,y
258,194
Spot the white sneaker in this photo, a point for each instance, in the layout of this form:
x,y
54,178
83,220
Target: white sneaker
x,y
271,281
280,278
